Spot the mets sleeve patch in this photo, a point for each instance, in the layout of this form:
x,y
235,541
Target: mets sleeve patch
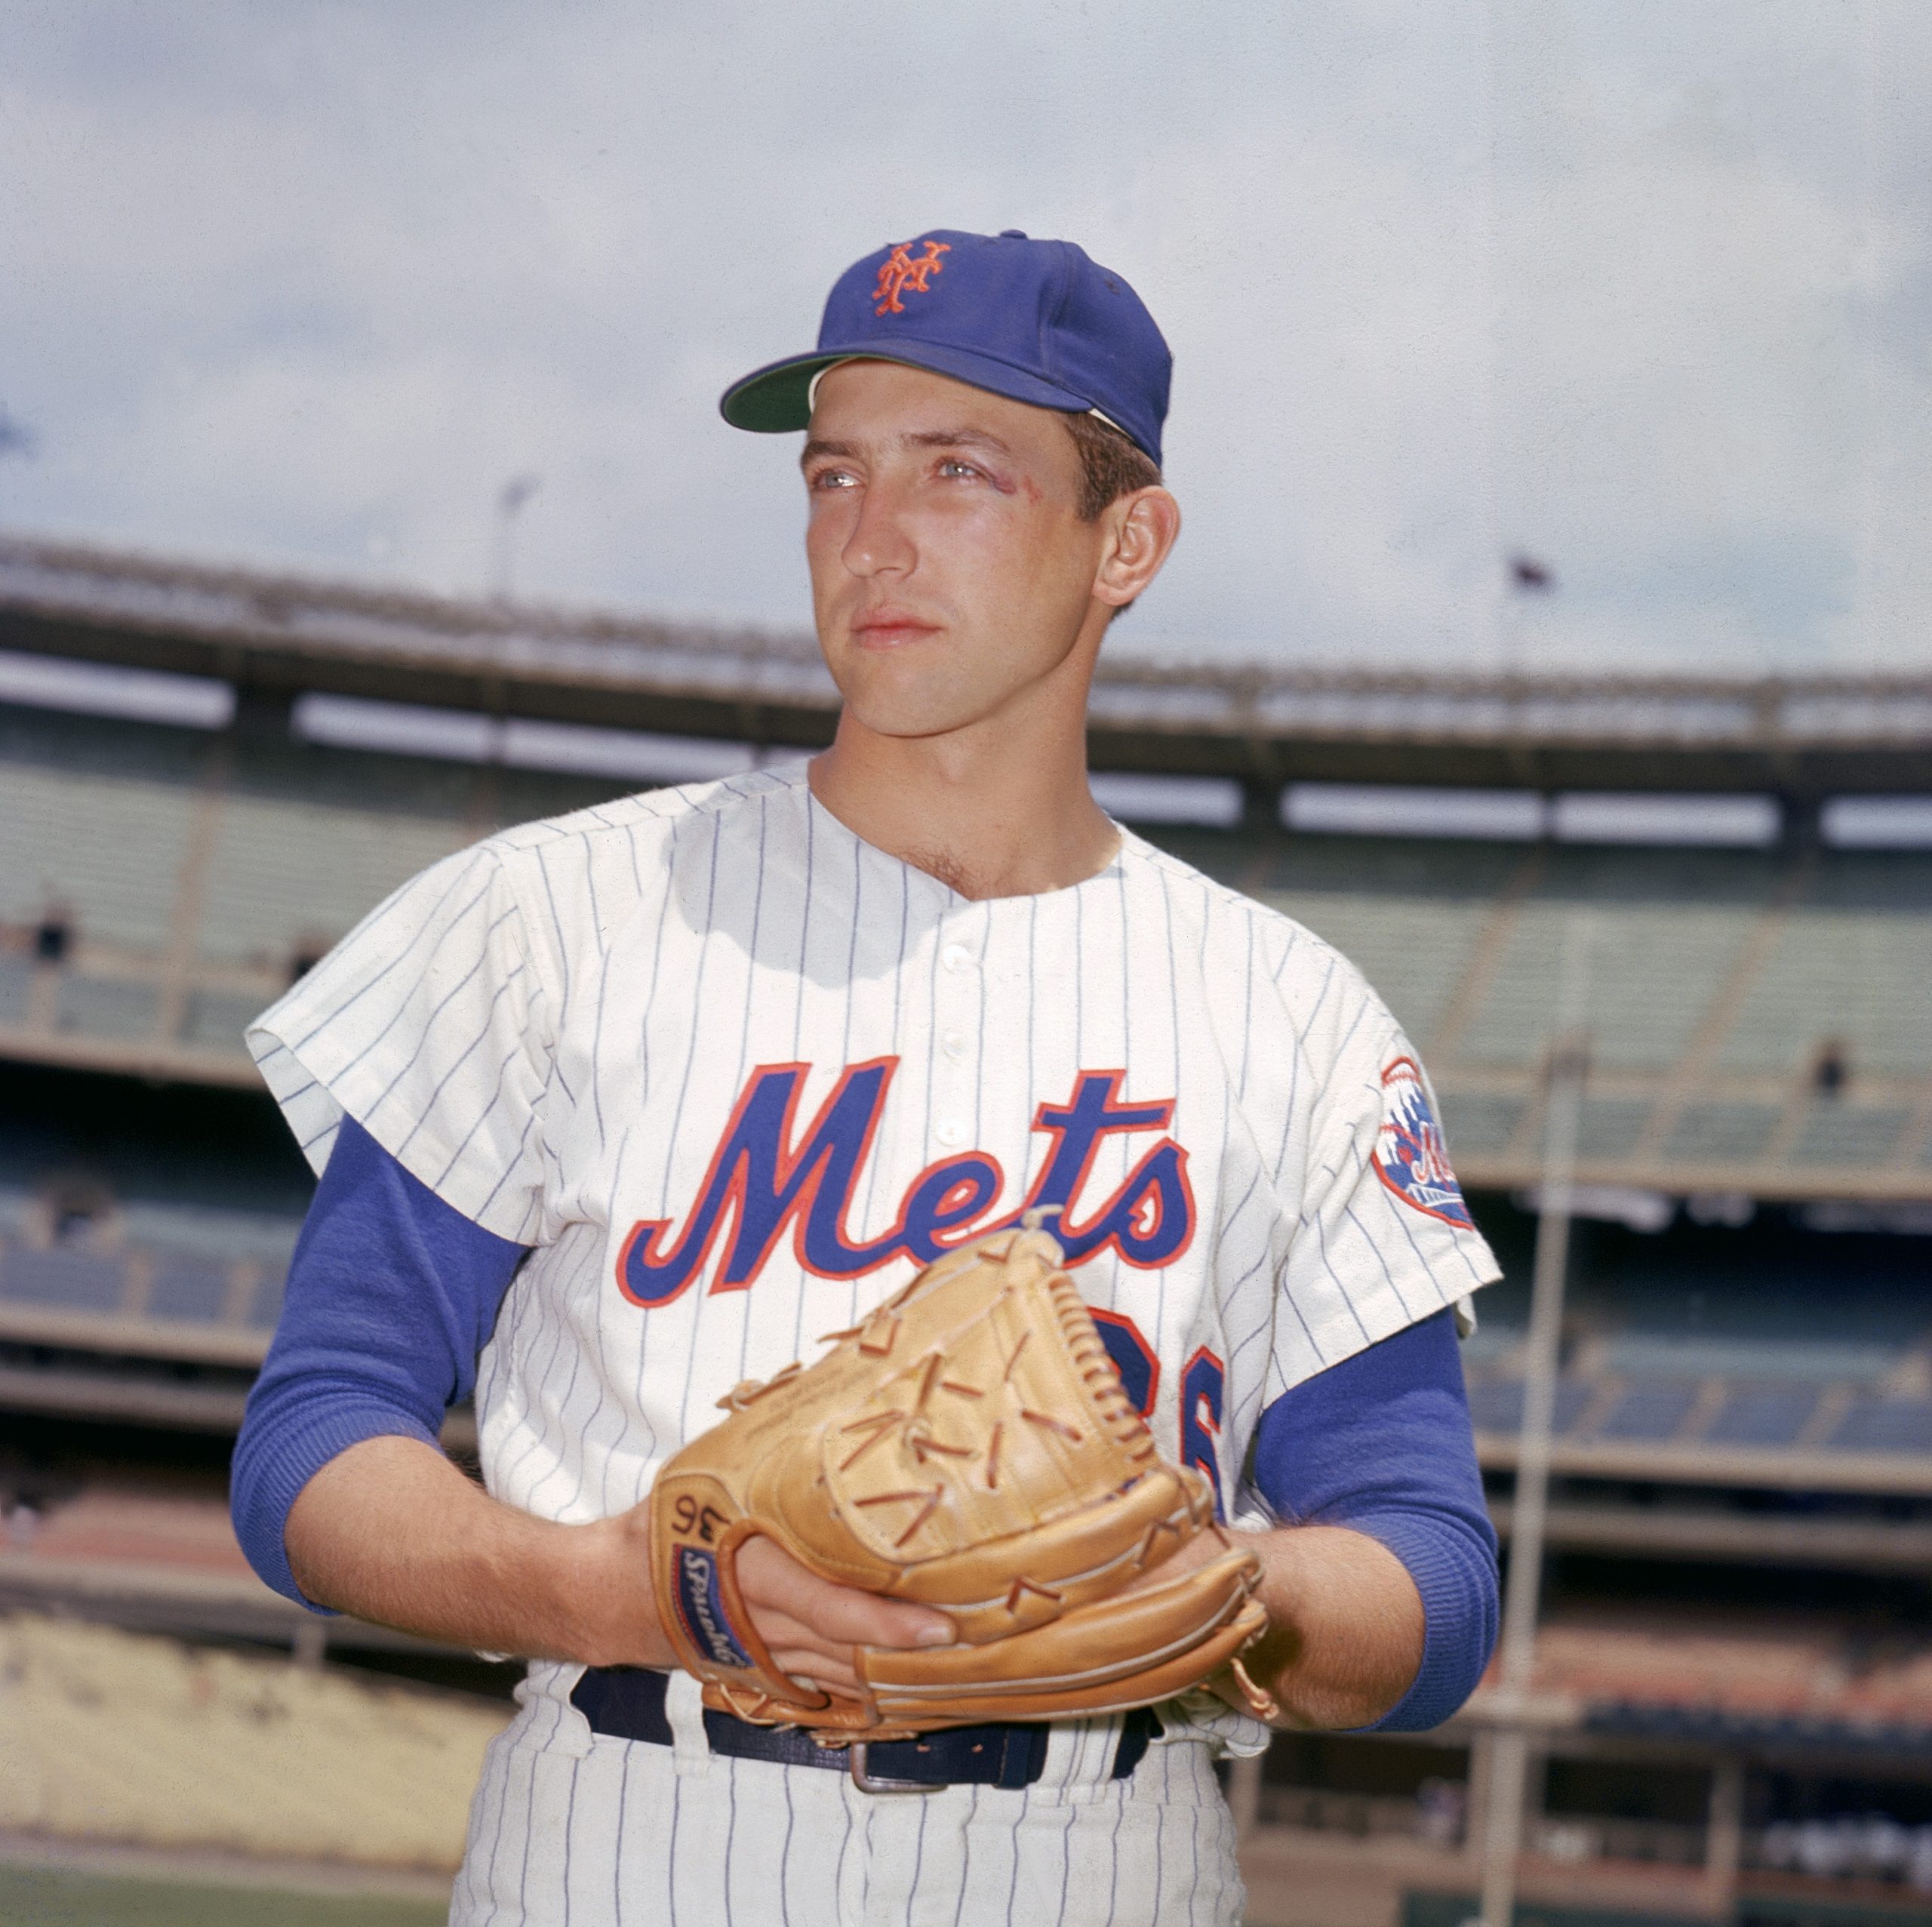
x,y
1410,1155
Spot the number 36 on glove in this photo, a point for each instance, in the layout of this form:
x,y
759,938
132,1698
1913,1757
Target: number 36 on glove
x,y
968,1447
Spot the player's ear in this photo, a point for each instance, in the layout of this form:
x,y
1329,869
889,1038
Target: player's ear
x,y
1141,530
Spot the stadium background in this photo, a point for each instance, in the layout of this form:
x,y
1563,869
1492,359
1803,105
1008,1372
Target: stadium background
x,y
208,777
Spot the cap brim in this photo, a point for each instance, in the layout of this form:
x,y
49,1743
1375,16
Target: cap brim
x,y
776,399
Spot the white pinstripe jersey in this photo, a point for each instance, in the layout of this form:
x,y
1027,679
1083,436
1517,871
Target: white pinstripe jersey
x,y
733,1074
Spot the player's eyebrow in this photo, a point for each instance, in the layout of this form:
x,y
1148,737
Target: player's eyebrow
x,y
817,447
957,438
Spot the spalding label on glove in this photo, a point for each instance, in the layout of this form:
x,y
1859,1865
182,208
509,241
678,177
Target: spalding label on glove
x,y
702,1608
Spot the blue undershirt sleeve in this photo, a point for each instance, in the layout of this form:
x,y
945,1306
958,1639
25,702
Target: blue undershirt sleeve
x,y
1382,1444
391,1295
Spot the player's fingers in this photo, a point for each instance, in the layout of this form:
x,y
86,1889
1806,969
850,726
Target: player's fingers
x,y
840,1615
799,1651
814,1668
780,1630
866,1620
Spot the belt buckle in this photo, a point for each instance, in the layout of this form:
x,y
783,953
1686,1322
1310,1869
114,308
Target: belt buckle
x,y
855,1756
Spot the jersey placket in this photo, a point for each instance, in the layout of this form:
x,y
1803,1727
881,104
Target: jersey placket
x,y
959,990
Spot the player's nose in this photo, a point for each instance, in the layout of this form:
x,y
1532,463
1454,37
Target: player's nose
x,y
879,543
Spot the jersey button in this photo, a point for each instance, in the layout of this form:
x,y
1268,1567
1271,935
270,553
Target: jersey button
x,y
951,1134
956,957
953,1043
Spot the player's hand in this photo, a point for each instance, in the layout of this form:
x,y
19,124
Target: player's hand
x,y
812,1625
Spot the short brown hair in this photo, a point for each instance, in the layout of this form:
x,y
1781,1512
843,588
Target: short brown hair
x,y
1110,464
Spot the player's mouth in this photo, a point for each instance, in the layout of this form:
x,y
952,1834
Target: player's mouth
x,y
891,628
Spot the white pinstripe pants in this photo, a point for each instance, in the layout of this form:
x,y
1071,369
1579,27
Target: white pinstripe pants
x,y
624,1834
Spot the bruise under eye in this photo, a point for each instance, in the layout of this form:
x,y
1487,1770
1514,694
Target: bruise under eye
x,y
976,470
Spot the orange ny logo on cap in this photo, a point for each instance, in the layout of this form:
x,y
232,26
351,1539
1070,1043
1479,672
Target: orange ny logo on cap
x,y
900,271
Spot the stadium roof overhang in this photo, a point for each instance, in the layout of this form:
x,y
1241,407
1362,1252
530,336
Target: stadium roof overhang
x,y
275,636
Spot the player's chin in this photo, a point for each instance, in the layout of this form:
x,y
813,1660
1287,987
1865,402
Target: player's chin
x,y
904,708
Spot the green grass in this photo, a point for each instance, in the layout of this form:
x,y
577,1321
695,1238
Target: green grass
x,y
39,1897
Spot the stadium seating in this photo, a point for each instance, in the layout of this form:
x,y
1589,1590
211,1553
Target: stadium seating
x,y
1659,938
1840,1133
106,1006
16,975
194,1288
215,1020
1767,1416
201,1231
156,1236
226,1277
288,871
104,850
1848,967
1769,1347
1654,971
1479,1123
1609,1127
1496,1404
1655,1410
75,1280
1811,1356
1720,1133
1764,1415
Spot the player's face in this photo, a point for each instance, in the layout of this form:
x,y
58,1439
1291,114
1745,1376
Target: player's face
x,y
951,571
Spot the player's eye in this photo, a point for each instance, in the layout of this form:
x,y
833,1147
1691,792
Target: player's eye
x,y
825,480
951,467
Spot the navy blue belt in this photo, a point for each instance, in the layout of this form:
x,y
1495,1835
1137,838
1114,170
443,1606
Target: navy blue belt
x,y
627,1703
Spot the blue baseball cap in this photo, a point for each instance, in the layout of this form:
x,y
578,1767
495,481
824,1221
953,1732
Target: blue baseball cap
x,y
1036,321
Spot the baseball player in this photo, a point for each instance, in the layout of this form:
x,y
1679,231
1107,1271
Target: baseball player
x,y
616,1111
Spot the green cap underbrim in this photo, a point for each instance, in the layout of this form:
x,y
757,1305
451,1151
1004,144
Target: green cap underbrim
x,y
776,399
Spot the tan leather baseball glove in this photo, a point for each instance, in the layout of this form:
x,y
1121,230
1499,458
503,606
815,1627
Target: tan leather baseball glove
x,y
970,1448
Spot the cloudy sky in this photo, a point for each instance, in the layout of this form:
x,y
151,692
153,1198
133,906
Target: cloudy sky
x,y
1638,289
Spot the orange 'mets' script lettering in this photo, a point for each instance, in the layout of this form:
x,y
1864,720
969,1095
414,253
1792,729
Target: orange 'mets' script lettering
x,y
901,272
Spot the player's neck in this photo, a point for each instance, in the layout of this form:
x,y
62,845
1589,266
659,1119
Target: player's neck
x,y
990,813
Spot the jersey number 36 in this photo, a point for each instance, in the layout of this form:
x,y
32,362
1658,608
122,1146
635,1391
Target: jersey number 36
x,y
1202,1381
